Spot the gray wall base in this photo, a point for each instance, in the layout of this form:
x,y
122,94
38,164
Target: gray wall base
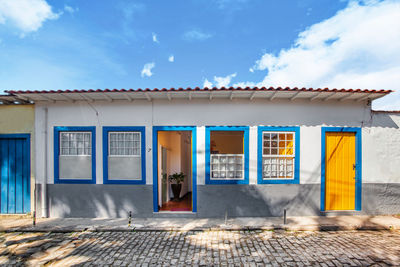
x,y
258,200
213,201
381,198
101,201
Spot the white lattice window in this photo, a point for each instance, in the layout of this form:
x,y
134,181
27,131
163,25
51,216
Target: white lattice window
x,y
76,143
278,155
227,166
124,144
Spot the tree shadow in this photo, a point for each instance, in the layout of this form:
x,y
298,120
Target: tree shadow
x,y
202,248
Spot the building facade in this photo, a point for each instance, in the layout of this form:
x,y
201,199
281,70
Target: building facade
x,y
243,152
17,173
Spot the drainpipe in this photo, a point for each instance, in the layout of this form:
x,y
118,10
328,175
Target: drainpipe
x,y
44,180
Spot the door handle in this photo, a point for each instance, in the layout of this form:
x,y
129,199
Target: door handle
x,y
354,166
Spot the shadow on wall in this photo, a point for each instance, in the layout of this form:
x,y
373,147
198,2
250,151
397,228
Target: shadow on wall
x,y
383,119
100,201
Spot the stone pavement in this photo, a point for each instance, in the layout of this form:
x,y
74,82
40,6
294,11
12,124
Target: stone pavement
x,y
202,248
185,224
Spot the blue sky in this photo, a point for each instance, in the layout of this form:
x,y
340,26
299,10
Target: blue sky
x,y
68,44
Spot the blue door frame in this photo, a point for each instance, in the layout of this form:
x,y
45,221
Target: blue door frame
x,y
15,173
357,132
156,129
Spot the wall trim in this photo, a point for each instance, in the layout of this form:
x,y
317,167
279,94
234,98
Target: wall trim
x,y
156,129
296,131
357,131
142,130
26,191
246,130
57,130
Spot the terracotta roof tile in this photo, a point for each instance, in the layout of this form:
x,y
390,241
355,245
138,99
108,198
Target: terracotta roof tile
x,y
295,89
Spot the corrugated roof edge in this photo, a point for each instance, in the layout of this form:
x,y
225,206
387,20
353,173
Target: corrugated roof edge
x,y
386,111
295,89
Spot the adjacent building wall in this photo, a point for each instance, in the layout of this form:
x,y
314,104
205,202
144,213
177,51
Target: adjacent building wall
x,y
214,200
20,119
381,164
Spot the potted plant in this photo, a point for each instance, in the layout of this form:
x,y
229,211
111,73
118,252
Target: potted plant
x,y
176,181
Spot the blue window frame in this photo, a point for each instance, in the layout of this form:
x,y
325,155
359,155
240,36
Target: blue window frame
x,y
358,177
156,129
57,131
106,152
245,130
295,170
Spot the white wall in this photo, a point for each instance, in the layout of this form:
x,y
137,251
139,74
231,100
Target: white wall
x,y
379,144
381,149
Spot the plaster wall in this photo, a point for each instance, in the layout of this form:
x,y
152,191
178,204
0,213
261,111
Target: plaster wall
x,y
381,149
201,113
20,119
380,143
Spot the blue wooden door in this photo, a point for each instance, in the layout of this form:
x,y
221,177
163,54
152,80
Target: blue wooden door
x,y
15,173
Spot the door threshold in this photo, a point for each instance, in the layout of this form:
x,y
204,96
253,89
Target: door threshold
x,y
174,212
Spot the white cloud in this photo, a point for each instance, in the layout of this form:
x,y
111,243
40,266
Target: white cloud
x,y
70,9
207,84
26,15
171,58
224,81
146,71
155,38
356,48
220,81
196,35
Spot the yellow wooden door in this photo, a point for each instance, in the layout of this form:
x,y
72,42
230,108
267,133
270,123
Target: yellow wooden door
x,y
340,182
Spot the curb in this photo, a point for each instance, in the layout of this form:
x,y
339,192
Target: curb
x,y
204,229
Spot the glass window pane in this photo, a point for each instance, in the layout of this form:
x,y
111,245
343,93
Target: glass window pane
x,y
125,143
289,144
64,136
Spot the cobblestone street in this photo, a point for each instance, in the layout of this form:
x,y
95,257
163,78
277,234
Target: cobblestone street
x,y
230,248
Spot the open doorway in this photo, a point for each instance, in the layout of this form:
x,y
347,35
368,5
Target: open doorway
x,y
174,171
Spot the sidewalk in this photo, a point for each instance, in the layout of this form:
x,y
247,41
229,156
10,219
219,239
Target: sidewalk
x,y
310,223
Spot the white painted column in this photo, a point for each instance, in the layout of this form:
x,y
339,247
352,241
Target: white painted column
x,y
310,155
201,150
253,155
149,154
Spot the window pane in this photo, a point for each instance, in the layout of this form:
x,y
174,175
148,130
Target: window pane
x,y
226,166
278,159
124,143
72,143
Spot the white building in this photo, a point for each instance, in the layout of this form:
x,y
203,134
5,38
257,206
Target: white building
x,y
243,151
